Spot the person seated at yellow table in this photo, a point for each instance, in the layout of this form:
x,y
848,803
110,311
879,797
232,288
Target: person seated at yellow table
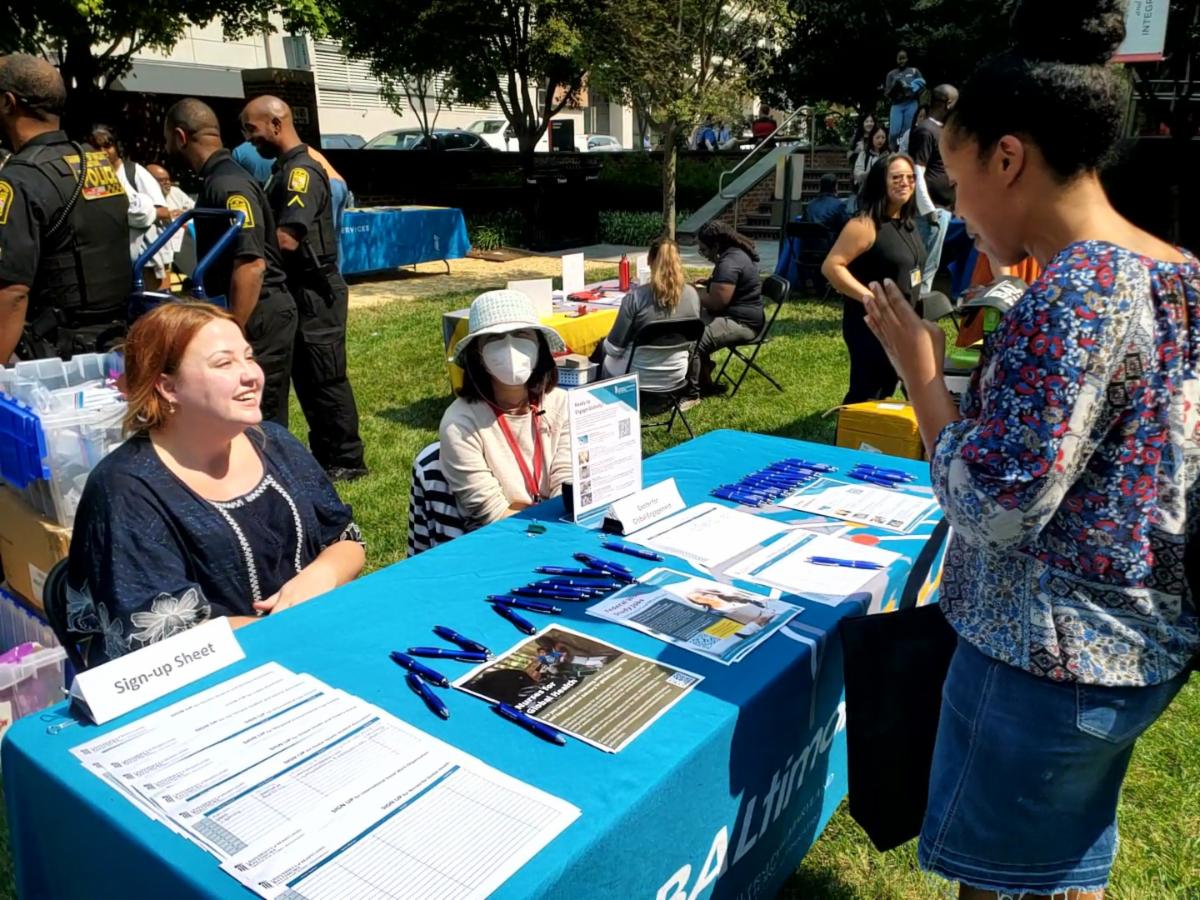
x,y
505,444
666,296
206,510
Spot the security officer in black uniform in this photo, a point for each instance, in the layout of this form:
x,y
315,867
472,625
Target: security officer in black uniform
x,y
300,197
249,273
65,274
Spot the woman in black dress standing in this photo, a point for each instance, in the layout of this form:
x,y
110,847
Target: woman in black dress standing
x,y
880,242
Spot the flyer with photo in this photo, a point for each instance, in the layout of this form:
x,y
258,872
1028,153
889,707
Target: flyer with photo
x,y
586,688
706,617
890,509
606,444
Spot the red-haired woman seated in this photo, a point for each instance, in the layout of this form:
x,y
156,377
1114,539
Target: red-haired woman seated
x,y
206,510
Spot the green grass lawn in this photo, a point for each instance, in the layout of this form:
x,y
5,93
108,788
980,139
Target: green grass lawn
x,y
400,380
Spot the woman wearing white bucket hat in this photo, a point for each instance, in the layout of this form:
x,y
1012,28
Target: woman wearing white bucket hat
x,y
504,441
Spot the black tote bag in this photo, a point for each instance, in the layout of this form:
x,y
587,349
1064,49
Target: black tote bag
x,y
894,667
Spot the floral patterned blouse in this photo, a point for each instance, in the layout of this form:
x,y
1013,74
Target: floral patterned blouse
x,y
150,558
1071,480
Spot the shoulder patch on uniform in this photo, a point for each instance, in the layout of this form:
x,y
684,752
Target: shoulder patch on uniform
x,y
6,200
298,180
239,203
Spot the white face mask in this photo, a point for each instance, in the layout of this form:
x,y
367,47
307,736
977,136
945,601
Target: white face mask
x,y
510,360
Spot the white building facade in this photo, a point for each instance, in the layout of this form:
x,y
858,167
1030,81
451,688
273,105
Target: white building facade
x,y
348,95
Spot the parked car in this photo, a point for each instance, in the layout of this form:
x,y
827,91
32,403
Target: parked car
x,y
414,139
603,143
342,141
496,132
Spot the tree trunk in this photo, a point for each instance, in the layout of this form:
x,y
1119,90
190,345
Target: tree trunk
x,y
79,71
670,150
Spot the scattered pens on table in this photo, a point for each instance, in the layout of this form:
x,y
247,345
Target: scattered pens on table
x,y
844,563
431,675
545,732
425,692
513,616
528,605
619,547
444,653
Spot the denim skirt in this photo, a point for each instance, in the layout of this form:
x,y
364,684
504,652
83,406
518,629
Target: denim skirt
x,y
1026,774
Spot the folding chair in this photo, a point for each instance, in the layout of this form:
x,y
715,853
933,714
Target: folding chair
x,y
775,289
668,334
810,243
54,604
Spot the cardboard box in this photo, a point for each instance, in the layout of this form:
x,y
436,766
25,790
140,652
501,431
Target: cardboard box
x,y
30,545
880,426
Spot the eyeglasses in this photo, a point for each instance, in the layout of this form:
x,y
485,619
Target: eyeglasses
x,y
902,179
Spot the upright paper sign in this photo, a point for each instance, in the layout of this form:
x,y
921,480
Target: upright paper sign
x,y
135,679
1145,31
643,268
572,274
540,291
606,444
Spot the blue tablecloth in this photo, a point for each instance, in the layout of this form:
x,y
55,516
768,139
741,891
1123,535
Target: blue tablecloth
x,y
388,237
740,777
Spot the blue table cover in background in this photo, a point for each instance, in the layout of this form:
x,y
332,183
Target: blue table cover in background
x,y
387,237
736,780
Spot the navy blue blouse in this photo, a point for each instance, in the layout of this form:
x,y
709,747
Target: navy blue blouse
x,y
150,557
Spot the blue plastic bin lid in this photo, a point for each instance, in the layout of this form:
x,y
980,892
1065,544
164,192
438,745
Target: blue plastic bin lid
x,y
22,444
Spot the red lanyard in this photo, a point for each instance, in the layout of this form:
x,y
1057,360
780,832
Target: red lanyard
x,y
533,480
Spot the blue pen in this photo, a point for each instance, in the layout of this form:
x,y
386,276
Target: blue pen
x,y
454,637
573,573
545,732
744,501
871,479
816,467
565,593
740,496
422,690
616,570
431,675
890,473
521,622
631,551
741,488
521,603
772,481
844,563
596,562
443,653
547,594
608,584
590,591
886,476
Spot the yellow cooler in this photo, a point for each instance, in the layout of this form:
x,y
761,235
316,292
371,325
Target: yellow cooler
x,y
880,426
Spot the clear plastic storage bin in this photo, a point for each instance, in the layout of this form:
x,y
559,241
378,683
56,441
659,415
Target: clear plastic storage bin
x,y
62,419
32,670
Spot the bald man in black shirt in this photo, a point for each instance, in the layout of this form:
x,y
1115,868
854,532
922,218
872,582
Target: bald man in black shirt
x,y
249,273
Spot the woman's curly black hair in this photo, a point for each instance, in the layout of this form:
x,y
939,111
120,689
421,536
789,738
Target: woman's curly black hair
x,y
1053,86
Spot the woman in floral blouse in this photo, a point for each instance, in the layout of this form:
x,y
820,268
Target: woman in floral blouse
x,y
1069,474
206,510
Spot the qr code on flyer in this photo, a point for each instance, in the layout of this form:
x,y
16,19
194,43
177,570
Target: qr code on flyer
x,y
623,428
681,680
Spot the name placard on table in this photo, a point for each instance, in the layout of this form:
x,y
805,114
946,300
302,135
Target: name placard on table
x,y
135,679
